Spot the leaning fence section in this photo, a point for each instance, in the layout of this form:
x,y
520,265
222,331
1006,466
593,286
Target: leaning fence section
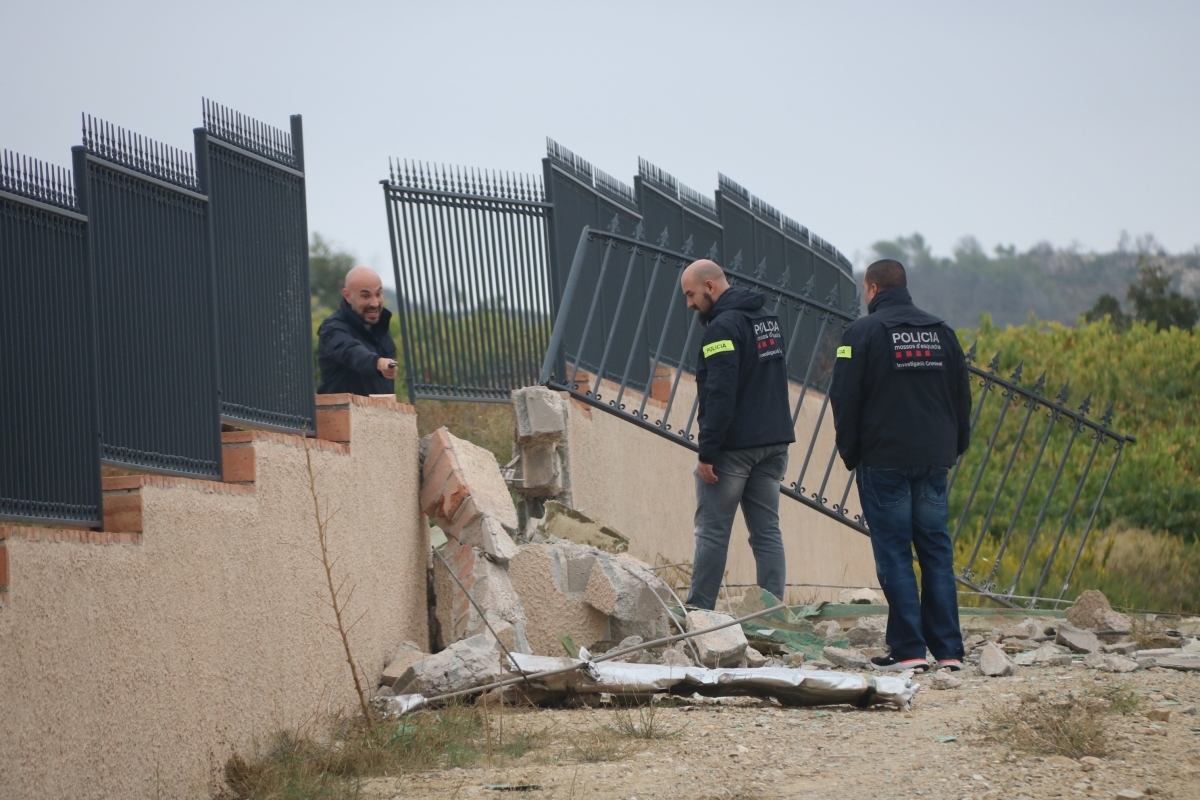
x,y
1024,497
469,251
50,456
150,250
253,175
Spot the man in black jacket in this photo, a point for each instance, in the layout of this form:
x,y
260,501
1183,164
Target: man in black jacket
x,y
355,349
745,428
901,398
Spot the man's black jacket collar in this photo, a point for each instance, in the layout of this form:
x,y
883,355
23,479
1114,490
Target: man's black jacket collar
x,y
896,296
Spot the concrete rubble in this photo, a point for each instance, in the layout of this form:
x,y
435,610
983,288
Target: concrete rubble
x,y
719,648
512,592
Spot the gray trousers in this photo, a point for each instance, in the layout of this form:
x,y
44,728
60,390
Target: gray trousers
x,y
749,478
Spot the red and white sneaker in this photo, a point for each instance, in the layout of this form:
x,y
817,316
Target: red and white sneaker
x,y
889,664
952,664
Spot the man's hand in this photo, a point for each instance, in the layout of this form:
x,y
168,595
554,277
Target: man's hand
x,y
386,367
705,471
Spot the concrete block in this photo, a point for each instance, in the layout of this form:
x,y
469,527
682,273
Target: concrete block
x,y
868,632
864,596
994,662
541,471
1046,655
1088,611
723,648
540,413
552,580
408,654
845,658
829,629
472,527
564,522
1080,641
463,665
1026,629
488,583
615,588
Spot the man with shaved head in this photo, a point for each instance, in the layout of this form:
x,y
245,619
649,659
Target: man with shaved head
x,y
355,350
745,429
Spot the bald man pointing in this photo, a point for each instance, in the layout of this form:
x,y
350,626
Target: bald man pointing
x,y
745,429
355,350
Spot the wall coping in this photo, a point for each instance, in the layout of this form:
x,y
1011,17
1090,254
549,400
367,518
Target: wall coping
x,y
346,399
69,535
290,439
137,482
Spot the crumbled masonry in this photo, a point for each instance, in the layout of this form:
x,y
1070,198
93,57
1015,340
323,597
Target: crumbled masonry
x,y
574,583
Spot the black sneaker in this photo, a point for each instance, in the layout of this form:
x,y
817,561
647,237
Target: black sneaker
x,y
889,664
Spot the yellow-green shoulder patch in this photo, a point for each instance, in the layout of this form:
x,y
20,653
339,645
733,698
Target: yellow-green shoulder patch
x,y
725,345
844,351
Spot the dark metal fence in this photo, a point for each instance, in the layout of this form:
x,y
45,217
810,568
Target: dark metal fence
x,y
150,246
1024,497
470,260
49,448
178,296
253,175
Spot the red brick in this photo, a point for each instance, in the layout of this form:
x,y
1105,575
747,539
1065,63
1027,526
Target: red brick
x,y
453,494
3,566
342,399
123,513
122,482
434,482
439,440
238,464
334,426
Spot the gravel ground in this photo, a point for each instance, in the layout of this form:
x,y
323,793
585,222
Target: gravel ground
x,y
741,748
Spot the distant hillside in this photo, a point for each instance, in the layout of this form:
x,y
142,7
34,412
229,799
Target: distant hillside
x,y
1054,284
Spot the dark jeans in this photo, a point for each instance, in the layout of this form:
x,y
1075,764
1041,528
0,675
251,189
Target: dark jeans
x,y
906,509
750,478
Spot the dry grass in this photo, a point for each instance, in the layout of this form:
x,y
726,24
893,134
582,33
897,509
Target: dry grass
x,y
1074,726
301,765
643,722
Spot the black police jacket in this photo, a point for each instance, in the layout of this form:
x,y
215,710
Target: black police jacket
x,y
348,351
742,378
901,394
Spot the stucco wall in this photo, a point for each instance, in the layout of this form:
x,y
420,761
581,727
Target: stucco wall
x,y
133,670
643,485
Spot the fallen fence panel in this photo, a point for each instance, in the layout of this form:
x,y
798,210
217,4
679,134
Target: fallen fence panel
x,y
1025,477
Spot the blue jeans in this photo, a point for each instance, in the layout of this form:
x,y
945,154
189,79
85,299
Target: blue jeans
x,y
750,478
906,509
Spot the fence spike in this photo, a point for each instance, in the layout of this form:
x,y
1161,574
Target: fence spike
x,y
786,277
1040,385
994,364
687,246
712,251
1016,376
1063,394
662,238
640,231
834,295
972,353
1086,405
761,269
1107,419
810,287
736,265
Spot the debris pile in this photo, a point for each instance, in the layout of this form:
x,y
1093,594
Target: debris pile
x,y
515,590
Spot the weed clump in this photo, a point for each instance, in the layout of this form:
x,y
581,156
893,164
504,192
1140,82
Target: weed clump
x,y
1074,727
299,765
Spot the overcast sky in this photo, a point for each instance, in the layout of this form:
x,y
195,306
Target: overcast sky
x,y
1013,122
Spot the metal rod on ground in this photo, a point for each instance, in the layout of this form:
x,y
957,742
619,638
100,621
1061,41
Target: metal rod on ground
x,y
607,657
670,616
482,616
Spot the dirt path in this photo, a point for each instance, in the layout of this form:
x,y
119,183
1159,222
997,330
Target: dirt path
x,y
737,748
